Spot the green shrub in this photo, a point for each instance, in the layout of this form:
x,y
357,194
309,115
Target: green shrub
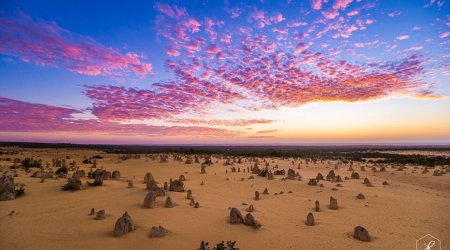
x,y
30,163
219,246
20,190
62,169
73,184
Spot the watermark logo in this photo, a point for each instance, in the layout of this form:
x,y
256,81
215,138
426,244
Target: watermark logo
x,y
428,242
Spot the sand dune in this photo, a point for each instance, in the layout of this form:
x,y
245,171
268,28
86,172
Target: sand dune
x,y
414,204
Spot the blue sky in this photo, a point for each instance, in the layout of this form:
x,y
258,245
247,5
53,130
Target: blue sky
x,y
158,64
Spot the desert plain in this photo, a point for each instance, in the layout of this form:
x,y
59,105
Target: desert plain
x,y
401,205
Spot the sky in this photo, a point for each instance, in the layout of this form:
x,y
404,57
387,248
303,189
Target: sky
x,y
225,72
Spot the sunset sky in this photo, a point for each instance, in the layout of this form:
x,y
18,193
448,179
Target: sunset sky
x,y
225,72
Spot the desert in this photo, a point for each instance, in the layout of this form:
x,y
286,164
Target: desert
x,y
400,204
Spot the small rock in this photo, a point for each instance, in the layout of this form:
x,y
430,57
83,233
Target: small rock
x,y
130,184
361,234
236,216
256,195
92,211
312,182
158,231
115,175
249,220
310,220
333,203
169,203
100,215
354,175
360,196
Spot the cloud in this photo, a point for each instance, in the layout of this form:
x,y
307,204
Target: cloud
x,y
19,116
47,44
403,37
296,24
221,122
267,131
341,4
192,25
216,63
316,4
331,14
170,11
394,13
444,34
353,13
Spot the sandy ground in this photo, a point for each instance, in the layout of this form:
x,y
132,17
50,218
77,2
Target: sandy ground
x,y
413,205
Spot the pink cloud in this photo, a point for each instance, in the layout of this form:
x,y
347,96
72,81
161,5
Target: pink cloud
x,y
172,52
278,18
341,4
171,11
301,47
19,116
212,49
444,34
403,37
316,4
193,25
414,48
353,13
394,13
47,44
221,122
225,39
235,12
296,24
331,14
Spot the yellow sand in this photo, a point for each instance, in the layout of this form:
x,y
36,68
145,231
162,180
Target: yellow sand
x,y
396,215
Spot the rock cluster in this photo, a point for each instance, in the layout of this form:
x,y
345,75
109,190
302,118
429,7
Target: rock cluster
x,y
72,184
176,186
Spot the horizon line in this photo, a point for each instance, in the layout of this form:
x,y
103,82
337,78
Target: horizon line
x,y
412,144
